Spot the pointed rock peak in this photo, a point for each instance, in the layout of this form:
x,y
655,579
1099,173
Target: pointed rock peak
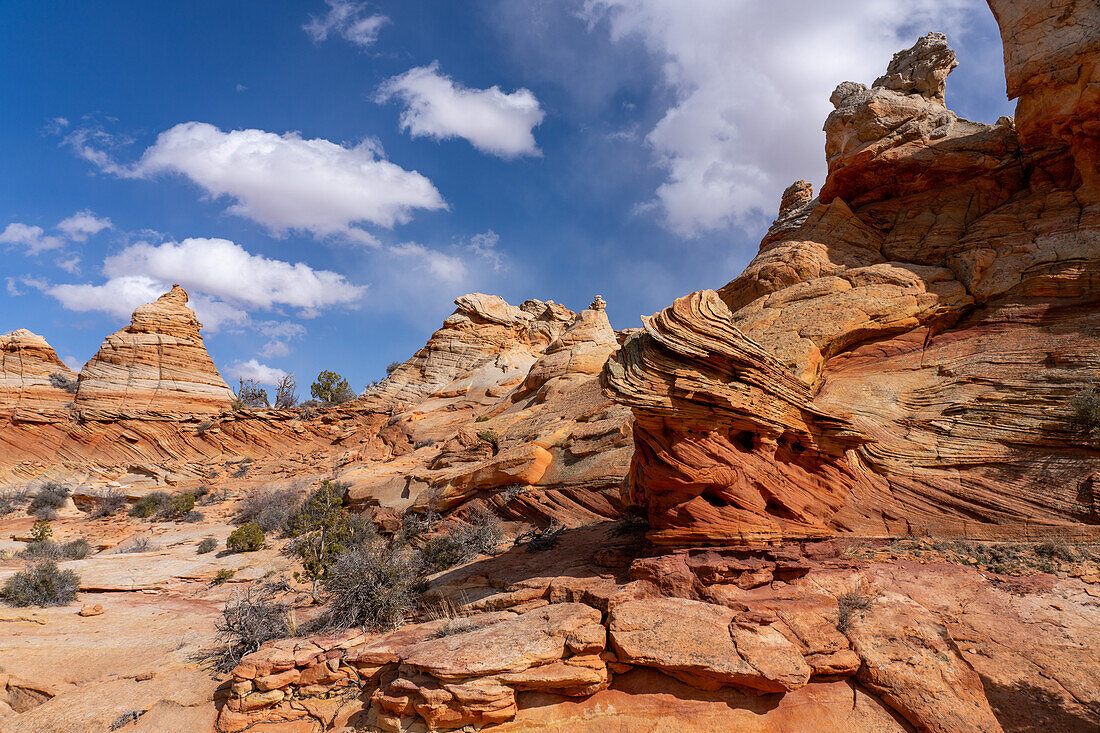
x,y
797,194
175,295
921,69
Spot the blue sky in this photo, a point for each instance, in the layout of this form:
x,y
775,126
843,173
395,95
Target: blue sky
x,y
326,177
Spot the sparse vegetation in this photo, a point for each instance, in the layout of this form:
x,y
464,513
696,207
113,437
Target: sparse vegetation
x,y
269,509
193,516
13,499
427,442
127,718
250,619
286,394
242,470
247,538
51,497
77,549
108,503
250,394
415,524
847,604
1003,558
322,531
541,540
481,418
392,367
149,504
1056,548
41,584
208,544
1085,406
480,535
372,585
223,575
492,438
138,544
63,381
41,531
331,389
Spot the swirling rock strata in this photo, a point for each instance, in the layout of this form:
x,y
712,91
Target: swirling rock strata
x,y
33,380
902,354
156,364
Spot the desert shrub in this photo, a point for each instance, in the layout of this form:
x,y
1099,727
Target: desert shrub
x,y
492,438
150,504
193,516
423,443
107,503
13,499
415,524
322,531
41,531
51,497
176,507
247,538
331,389
268,509
373,585
1056,548
250,394
847,604
540,540
1085,411
63,381
479,536
41,584
126,718
481,418
392,367
138,544
248,621
286,395
208,544
242,470
223,575
77,549
214,496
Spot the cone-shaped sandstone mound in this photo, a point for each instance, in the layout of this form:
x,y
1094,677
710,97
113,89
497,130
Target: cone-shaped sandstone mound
x,y
156,364
32,378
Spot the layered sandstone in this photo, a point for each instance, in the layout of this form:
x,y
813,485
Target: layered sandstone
x,y
156,364
902,354
32,379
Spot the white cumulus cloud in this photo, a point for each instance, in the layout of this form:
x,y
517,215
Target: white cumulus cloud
x,y
285,182
349,20
253,369
83,224
436,106
752,82
32,237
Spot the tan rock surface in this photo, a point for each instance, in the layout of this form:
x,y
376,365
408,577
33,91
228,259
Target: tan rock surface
x,y
158,363
27,364
922,326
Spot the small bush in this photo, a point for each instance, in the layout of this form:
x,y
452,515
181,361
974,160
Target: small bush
x,y
322,530
209,544
127,718
193,516
490,437
423,443
481,418
63,381
77,549
373,586
51,497
223,575
331,389
1056,548
108,503
177,507
479,536
414,525
248,538
392,367
1085,411
42,584
248,621
150,504
250,394
13,499
847,604
242,470
541,540
214,496
41,531
138,544
270,510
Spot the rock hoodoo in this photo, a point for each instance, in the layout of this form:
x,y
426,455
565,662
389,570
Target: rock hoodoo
x,y
32,378
902,354
156,364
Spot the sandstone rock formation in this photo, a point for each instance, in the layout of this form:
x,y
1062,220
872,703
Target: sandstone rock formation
x,y
902,354
32,378
156,364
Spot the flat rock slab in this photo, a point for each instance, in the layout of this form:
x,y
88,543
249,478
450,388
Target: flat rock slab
x,y
698,644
